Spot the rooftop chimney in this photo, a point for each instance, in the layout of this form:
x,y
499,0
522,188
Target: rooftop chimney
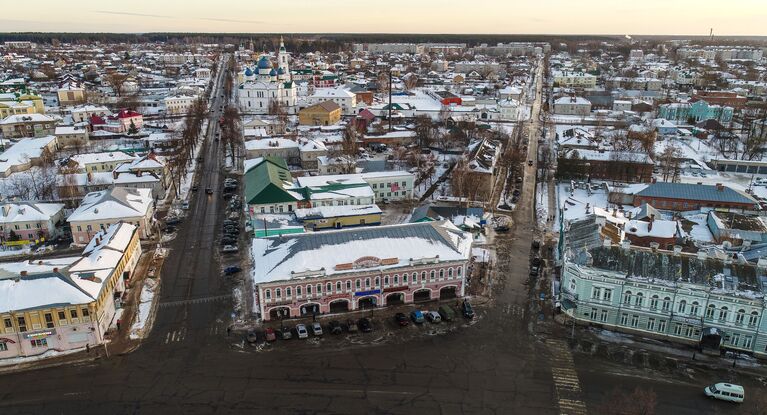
x,y
649,224
720,187
23,273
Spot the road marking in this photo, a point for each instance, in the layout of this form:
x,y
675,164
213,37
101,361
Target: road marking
x,y
167,338
566,382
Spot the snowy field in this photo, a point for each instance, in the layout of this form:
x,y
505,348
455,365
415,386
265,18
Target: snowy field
x,y
148,291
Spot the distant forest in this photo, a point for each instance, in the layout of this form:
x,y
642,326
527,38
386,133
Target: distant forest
x,y
299,42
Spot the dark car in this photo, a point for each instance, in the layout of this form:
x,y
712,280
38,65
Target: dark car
x,y
334,327
285,334
229,222
169,229
232,270
351,326
401,319
467,309
365,325
529,162
208,190
251,337
228,241
195,187
172,221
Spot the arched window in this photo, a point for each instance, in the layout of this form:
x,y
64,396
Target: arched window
x,y
432,274
449,273
639,300
682,306
441,273
740,316
396,279
666,304
349,285
653,302
694,308
319,288
268,294
627,297
423,276
386,280
338,286
287,292
308,290
378,282
753,318
298,291
710,312
367,282
458,270
329,287
278,293
723,314
358,284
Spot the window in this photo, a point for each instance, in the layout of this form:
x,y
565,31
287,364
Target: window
x,y
22,323
338,287
49,320
308,290
278,293
593,314
378,282
423,276
678,329
86,313
458,271
753,318
268,294
634,320
662,326
710,312
8,324
596,292
624,319
319,289
666,304
639,300
39,343
747,341
432,274
287,292
608,295
73,313
3,347
367,282
603,316
449,273
386,280
627,298
349,285
740,316
329,287
735,339
357,284
682,307
694,307
396,279
653,302
723,314
441,274
651,324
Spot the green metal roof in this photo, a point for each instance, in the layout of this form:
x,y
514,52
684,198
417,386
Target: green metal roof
x,y
267,182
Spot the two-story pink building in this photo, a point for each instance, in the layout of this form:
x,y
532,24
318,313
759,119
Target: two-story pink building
x,y
337,271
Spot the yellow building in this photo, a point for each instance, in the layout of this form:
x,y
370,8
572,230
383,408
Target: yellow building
x,y
324,113
11,104
338,217
70,93
66,303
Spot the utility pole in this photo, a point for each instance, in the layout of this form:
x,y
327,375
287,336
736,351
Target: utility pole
x,y
390,100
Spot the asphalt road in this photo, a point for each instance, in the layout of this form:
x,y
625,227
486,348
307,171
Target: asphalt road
x,y
189,364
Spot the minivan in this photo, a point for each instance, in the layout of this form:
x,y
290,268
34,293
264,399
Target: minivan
x,y
446,313
725,392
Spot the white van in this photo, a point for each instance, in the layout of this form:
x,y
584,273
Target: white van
x,y
725,392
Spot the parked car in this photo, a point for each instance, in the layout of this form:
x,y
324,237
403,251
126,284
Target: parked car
x,y
251,337
185,205
534,271
467,309
401,319
232,270
169,229
208,190
195,187
270,334
316,329
334,327
433,317
227,240
446,313
229,248
365,325
725,392
417,316
301,331
351,326
285,334
529,162
152,272
172,220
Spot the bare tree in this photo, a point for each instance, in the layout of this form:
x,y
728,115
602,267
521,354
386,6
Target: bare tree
x,y
116,80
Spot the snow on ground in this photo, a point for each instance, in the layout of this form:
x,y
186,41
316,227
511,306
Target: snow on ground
x,y
145,307
439,169
48,354
542,202
575,201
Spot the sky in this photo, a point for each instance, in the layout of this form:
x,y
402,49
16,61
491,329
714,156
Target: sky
x,y
642,17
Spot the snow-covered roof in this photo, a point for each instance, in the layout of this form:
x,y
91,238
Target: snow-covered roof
x,y
114,203
24,151
659,228
319,212
28,212
336,252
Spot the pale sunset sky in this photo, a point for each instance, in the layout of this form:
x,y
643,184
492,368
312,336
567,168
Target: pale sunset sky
x,y
662,17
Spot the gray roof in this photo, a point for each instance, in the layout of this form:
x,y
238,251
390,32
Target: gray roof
x,y
691,191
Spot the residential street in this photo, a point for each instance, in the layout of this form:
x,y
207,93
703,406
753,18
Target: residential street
x,y
189,364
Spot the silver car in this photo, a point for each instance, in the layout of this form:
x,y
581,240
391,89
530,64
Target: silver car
x,y
301,331
316,329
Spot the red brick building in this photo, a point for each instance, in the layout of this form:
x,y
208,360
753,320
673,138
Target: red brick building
x,y
688,196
